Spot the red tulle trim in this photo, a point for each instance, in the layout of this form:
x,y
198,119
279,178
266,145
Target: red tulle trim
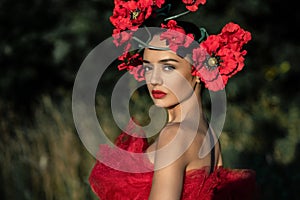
x,y
110,183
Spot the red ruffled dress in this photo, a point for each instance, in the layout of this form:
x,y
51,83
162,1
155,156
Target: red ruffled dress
x,y
108,183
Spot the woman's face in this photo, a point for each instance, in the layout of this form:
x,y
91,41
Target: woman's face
x,y
167,75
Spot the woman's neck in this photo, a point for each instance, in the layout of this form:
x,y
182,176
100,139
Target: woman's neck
x,y
186,109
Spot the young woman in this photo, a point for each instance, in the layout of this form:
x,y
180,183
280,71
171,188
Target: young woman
x,y
173,167
172,86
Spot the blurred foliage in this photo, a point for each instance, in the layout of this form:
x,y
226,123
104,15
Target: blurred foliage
x,y
42,45
45,160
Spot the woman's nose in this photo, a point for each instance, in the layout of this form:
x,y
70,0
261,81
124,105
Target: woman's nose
x,y
156,78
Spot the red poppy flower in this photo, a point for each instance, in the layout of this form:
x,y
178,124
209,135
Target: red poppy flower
x,y
130,14
176,36
132,62
192,5
138,72
158,3
121,37
221,56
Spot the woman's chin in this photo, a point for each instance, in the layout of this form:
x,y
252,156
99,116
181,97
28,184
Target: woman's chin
x,y
163,104
160,105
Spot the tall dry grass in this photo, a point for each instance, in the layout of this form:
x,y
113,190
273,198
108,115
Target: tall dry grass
x,y
44,160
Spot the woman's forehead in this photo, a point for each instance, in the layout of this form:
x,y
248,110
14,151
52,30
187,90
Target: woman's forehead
x,y
155,54
157,42
159,48
160,56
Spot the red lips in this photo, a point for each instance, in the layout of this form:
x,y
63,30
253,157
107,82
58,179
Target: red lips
x,y
157,94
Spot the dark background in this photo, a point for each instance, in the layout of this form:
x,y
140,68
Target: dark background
x,y
42,45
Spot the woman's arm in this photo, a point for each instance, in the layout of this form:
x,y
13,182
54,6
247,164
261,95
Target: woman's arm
x,y
170,165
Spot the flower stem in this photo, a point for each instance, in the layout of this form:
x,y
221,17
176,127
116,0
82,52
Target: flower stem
x,y
176,16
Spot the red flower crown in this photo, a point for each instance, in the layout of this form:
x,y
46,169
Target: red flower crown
x,y
215,60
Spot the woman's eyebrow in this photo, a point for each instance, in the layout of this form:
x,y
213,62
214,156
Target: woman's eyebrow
x,y
163,60
168,60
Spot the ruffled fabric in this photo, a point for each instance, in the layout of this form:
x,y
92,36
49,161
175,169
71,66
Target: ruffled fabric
x,y
222,184
109,183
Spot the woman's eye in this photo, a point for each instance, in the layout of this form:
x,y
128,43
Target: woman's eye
x,y
147,68
168,67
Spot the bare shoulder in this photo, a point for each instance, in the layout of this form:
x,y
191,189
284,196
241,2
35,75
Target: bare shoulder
x,y
170,148
168,133
182,131
180,137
